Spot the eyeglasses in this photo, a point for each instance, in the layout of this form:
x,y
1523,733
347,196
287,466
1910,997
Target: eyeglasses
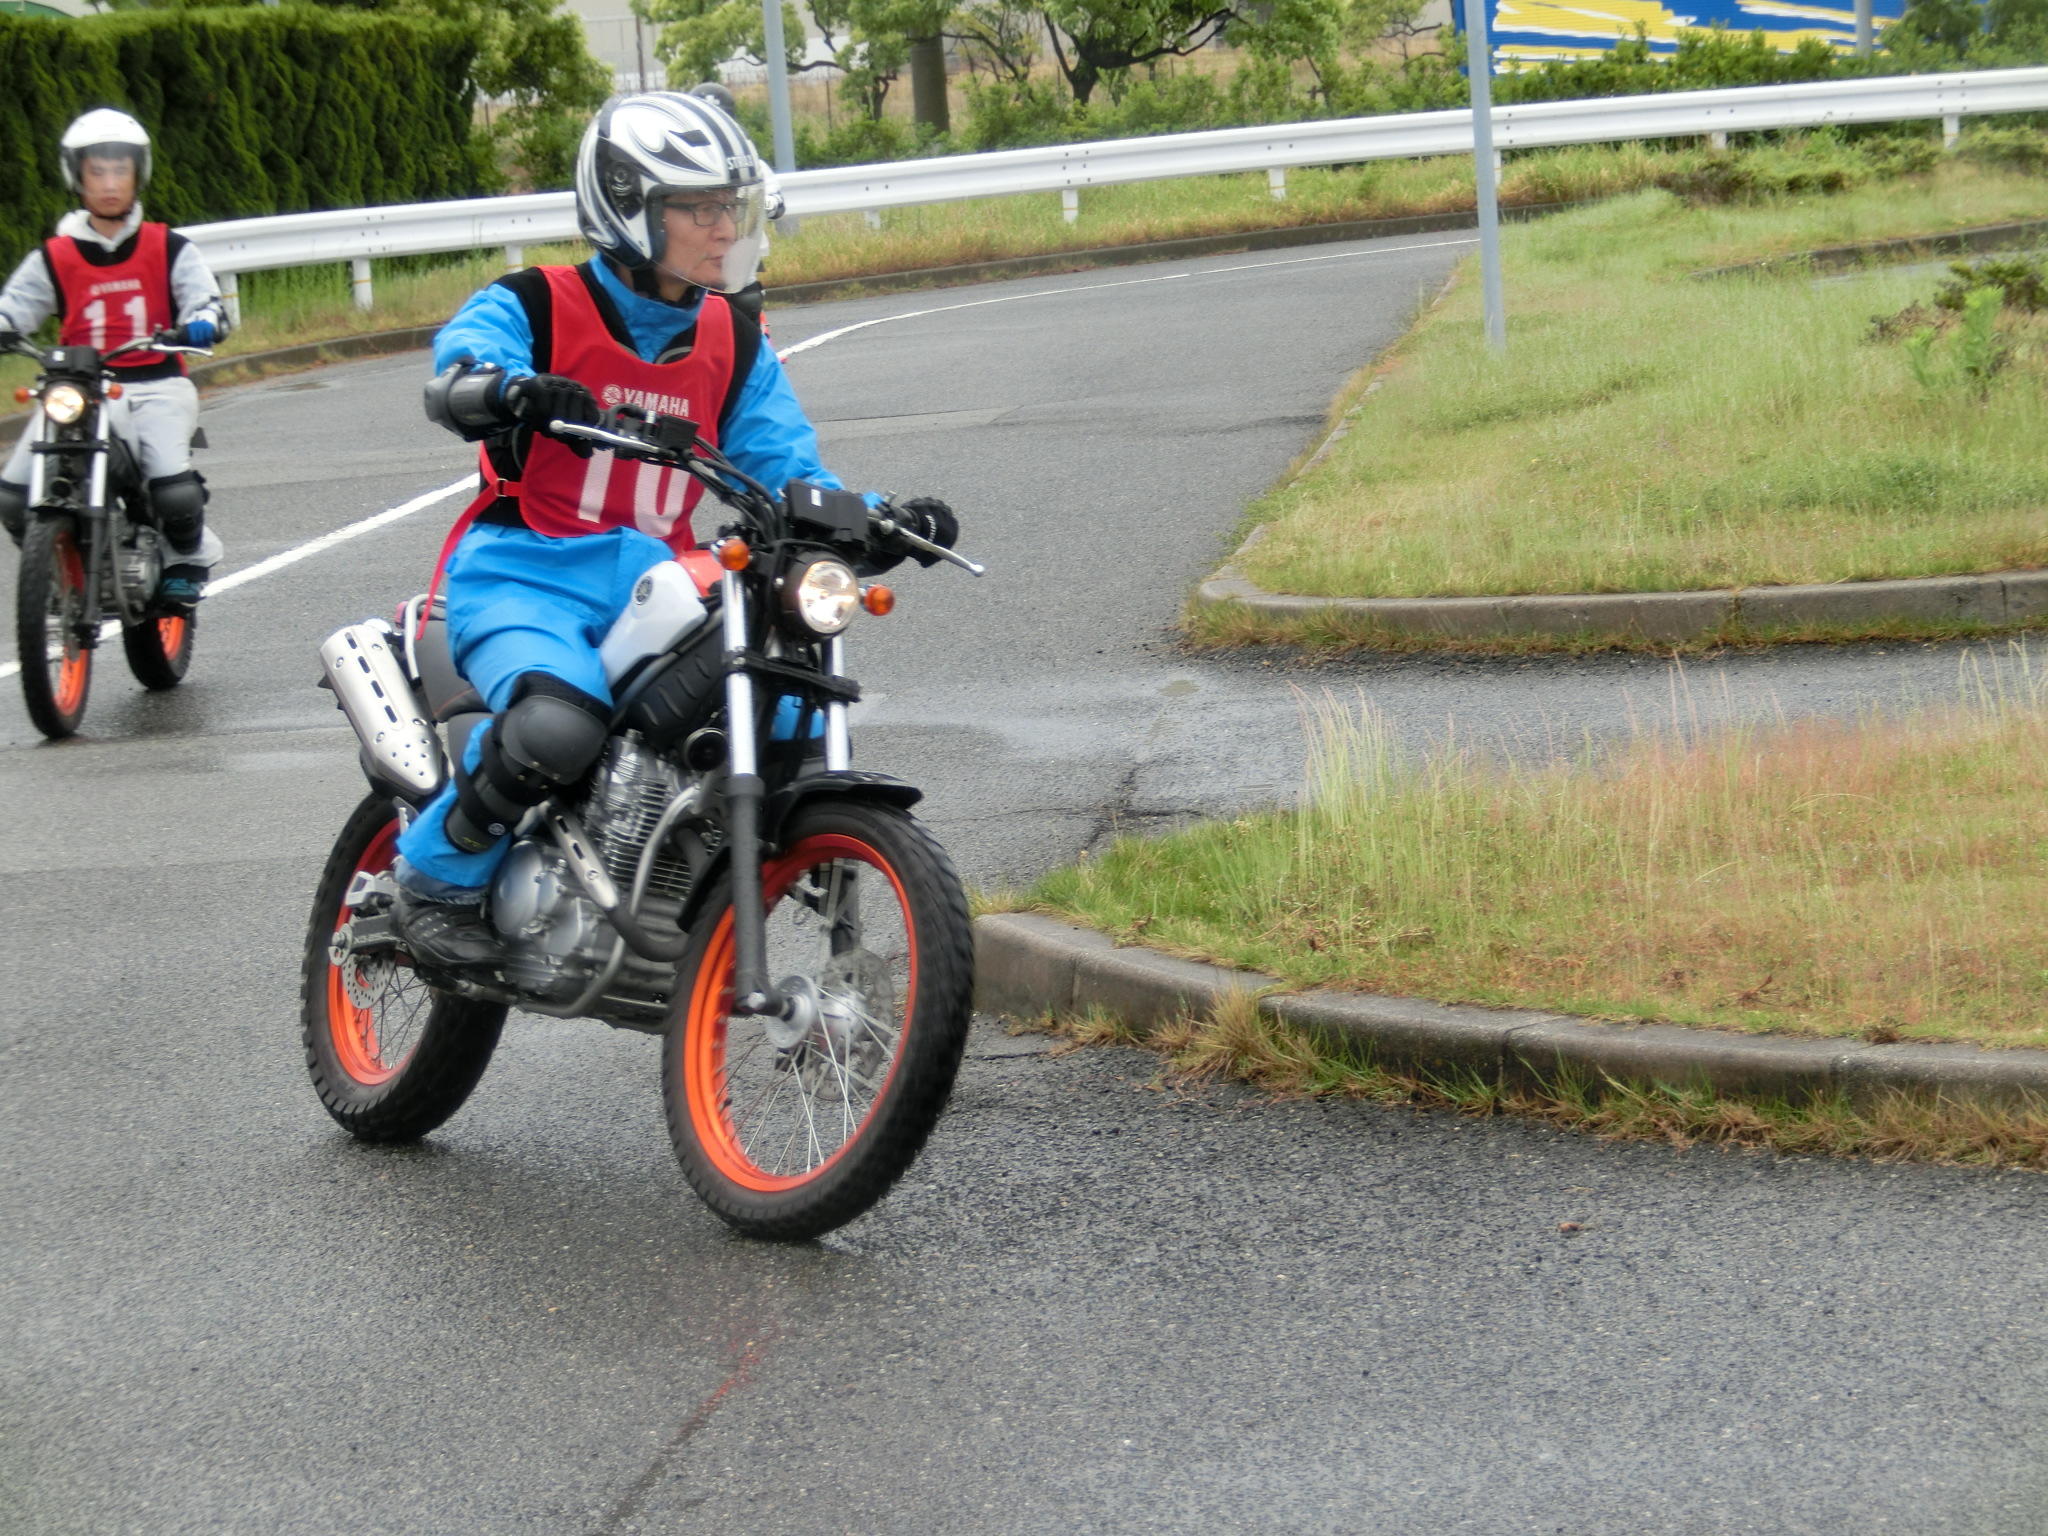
x,y
707,213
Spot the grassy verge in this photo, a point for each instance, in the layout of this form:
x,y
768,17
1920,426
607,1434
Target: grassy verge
x,y
1649,432
1875,879
1239,1045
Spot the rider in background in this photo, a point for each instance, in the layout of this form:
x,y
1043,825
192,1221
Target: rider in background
x,y
113,279
670,191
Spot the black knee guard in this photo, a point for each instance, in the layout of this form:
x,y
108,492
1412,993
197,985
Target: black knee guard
x,y
13,509
546,740
180,503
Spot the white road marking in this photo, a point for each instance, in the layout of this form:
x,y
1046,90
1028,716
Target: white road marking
x,y
311,547
420,503
820,339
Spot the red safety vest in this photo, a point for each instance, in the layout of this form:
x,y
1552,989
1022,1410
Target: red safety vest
x,y
112,305
561,494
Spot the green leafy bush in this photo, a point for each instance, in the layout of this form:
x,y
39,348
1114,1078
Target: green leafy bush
x,y
253,111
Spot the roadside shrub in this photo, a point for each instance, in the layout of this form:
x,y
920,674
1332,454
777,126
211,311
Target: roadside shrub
x,y
253,111
856,141
1010,114
2022,148
2018,280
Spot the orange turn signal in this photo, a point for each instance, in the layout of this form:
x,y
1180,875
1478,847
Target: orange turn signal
x,y
733,554
23,395
113,391
878,600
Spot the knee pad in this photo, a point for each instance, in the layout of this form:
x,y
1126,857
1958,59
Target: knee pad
x,y
13,509
180,503
545,740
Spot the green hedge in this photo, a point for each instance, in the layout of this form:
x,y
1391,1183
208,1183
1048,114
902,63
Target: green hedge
x,y
252,112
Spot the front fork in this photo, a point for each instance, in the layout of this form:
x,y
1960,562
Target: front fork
x,y
753,993
92,522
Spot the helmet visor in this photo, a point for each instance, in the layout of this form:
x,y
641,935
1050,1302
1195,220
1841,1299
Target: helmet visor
x,y
700,220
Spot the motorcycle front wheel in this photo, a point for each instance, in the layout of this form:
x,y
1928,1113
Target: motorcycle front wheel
x,y
53,599
790,1127
390,1056
160,650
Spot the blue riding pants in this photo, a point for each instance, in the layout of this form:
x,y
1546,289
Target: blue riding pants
x,y
521,602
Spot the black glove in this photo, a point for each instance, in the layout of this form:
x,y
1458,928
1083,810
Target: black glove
x,y
928,518
547,397
9,340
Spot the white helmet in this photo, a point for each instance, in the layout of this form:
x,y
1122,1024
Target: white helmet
x,y
637,150
105,132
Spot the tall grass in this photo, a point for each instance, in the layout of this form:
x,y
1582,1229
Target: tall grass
x,y
1877,878
1650,432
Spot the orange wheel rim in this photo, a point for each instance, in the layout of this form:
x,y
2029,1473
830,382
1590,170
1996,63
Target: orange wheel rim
x,y
170,634
74,668
353,1029
705,1079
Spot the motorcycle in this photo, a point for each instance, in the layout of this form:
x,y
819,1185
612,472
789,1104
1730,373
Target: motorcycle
x,y
91,550
723,877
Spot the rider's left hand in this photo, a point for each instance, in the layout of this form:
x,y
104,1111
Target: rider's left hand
x,y
198,333
931,519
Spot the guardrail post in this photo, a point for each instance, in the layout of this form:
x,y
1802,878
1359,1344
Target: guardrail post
x,y
1070,204
874,218
1951,130
359,279
1276,183
231,297
515,257
1717,140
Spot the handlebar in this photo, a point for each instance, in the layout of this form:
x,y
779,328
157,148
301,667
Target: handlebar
x,y
677,445
157,343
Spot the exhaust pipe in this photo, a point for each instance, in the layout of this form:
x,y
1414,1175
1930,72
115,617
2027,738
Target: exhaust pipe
x,y
369,682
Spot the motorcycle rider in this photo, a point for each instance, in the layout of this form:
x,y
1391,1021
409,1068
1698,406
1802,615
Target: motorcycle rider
x,y
113,278
670,192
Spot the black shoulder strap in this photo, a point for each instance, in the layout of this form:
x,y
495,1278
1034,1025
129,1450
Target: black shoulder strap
x,y
746,351
173,244
50,269
530,287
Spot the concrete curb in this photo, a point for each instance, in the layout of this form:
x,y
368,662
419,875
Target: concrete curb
x,y
1998,599
1156,250
1027,966
1836,258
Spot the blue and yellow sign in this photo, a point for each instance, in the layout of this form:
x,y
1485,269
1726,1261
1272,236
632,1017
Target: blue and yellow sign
x,y
1531,31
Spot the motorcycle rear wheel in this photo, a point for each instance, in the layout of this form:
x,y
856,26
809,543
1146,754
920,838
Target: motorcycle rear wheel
x,y
390,1056
52,598
788,1130
160,650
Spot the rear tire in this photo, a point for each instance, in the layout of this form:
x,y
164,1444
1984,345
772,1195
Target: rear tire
x,y
390,1056
788,1138
53,596
160,649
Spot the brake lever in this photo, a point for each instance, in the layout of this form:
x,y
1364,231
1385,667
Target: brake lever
x,y
889,528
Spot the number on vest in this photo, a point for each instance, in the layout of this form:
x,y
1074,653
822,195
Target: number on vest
x,y
95,315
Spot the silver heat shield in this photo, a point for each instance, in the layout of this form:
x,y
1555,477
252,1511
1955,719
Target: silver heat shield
x,y
363,665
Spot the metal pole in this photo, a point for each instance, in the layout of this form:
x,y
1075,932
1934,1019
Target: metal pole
x,y
1865,32
1479,67
778,86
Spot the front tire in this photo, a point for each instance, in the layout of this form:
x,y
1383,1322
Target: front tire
x,y
160,650
390,1056
53,599
788,1129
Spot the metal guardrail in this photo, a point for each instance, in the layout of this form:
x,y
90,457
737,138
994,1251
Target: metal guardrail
x,y
360,235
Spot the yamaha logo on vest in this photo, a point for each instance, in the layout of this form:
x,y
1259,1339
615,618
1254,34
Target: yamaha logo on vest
x,y
663,405
117,285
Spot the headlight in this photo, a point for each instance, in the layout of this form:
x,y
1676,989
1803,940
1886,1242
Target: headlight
x,y
64,403
823,595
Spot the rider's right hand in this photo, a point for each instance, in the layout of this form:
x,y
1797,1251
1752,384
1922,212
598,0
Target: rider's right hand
x,y
547,397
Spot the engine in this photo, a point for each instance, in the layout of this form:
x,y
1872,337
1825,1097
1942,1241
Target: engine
x,y
564,941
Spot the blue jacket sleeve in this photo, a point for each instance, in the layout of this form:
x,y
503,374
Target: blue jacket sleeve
x,y
767,434
491,328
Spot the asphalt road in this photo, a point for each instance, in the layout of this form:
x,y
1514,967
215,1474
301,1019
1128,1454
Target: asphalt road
x,y
1097,1304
